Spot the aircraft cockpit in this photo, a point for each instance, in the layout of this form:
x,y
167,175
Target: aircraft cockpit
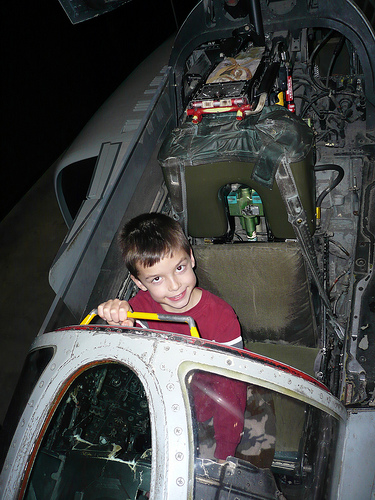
x,y
256,133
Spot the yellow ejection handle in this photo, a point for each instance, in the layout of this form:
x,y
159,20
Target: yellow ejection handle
x,y
152,317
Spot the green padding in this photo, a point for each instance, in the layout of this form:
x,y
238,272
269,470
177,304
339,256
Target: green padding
x,y
199,159
299,357
206,210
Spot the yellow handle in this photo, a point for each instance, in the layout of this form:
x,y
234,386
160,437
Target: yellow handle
x,y
152,317
194,332
143,315
89,317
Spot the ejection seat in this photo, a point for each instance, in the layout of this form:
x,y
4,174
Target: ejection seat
x,y
266,282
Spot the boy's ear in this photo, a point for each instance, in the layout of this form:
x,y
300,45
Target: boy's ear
x,y
192,258
139,284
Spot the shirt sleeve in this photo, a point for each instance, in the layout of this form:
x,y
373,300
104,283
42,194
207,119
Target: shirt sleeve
x,y
228,329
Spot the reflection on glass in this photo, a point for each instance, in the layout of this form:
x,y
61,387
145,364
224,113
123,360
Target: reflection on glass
x,y
220,401
285,449
98,444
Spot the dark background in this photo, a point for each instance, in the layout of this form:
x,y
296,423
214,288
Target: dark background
x,y
55,75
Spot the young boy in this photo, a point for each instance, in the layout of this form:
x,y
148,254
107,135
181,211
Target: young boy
x,y
160,261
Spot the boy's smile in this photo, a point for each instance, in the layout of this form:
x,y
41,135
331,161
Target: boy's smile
x,y
171,282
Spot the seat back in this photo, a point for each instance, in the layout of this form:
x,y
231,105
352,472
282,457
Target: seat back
x,y
267,286
198,161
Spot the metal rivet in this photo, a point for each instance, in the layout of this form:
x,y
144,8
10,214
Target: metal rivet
x,y
180,481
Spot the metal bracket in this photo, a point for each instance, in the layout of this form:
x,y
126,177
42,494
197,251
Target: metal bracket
x,y
298,219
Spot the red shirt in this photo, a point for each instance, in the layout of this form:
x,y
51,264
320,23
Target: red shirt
x,y
215,396
215,319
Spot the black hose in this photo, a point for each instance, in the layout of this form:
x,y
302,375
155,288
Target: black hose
x,y
255,15
312,57
320,45
303,112
321,96
336,52
338,179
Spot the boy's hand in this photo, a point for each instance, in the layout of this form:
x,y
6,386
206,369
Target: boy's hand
x,y
114,312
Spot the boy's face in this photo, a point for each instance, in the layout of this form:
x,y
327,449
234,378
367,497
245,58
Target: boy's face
x,y
171,282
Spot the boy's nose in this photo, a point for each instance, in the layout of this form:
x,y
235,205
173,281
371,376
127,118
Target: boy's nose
x,y
173,284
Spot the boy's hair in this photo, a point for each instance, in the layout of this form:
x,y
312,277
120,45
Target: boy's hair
x,y
148,238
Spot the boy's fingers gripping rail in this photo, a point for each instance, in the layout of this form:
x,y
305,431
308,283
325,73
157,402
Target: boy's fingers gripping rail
x,y
152,317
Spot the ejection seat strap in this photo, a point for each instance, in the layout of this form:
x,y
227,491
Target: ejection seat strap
x,y
298,219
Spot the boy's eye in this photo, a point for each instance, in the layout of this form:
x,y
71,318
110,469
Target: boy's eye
x,y
181,267
156,279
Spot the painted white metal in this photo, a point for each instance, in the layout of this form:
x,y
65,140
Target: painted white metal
x,y
161,364
357,475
